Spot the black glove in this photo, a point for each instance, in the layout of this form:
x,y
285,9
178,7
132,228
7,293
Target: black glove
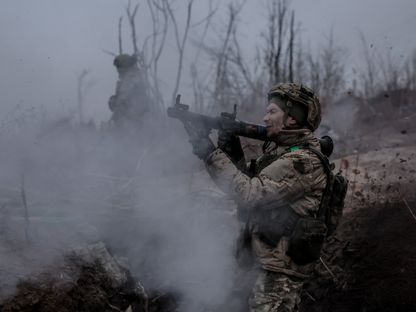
x,y
202,146
231,145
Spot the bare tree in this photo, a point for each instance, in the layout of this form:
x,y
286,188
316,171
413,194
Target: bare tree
x,y
160,22
237,78
390,71
368,75
410,72
299,63
314,72
120,41
333,71
275,37
323,71
291,44
180,42
199,86
383,71
222,74
83,87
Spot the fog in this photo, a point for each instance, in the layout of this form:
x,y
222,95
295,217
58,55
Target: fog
x,y
46,44
147,197
149,200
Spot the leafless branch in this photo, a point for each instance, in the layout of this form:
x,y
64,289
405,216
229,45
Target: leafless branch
x,y
333,70
109,52
207,20
410,210
26,210
131,14
221,71
180,43
275,38
369,75
80,94
157,45
120,43
327,268
239,61
314,68
197,86
83,87
291,41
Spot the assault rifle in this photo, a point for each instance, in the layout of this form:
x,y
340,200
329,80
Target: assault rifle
x,y
199,124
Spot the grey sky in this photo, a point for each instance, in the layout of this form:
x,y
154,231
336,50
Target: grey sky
x,y
45,44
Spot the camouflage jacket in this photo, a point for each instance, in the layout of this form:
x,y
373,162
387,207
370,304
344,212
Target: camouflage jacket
x,y
131,98
288,183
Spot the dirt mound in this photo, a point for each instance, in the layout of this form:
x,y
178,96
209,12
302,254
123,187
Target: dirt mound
x,y
88,279
369,265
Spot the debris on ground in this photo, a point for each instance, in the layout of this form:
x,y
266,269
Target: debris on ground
x,y
88,279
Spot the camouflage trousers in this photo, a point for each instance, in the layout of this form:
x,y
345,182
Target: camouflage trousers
x,y
275,292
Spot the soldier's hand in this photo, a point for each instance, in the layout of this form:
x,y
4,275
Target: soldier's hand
x,y
202,146
231,145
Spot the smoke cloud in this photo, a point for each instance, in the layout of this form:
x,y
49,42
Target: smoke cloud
x,y
148,198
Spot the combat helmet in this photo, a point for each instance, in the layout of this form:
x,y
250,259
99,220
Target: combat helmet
x,y
300,102
125,61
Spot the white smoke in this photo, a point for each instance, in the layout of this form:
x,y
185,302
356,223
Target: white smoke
x,y
148,198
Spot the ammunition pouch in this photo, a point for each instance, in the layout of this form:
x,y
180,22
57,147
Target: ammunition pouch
x,y
306,241
270,225
276,223
306,235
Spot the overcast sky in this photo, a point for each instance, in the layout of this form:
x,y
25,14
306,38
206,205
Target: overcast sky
x,y
45,44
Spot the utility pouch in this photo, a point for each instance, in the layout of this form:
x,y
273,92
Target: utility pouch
x,y
306,241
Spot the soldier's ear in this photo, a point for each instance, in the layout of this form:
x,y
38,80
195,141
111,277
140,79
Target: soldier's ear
x,y
290,121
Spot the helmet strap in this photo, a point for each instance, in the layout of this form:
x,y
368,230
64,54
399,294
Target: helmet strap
x,y
286,112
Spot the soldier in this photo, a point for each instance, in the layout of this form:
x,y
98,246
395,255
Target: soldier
x,y
131,101
284,185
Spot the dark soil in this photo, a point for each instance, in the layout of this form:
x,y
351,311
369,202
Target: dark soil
x,y
160,301
368,265
74,288
372,260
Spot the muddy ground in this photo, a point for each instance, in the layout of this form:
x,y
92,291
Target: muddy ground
x,y
367,265
370,263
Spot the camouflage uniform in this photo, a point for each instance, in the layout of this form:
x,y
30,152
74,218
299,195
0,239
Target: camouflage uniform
x,y
288,183
130,101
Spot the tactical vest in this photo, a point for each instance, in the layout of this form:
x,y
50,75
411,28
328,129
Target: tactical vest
x,y
306,234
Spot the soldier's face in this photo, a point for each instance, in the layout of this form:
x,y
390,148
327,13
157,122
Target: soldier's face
x,y
274,120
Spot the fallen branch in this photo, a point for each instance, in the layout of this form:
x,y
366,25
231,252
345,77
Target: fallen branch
x,y
130,181
310,296
327,268
408,207
26,211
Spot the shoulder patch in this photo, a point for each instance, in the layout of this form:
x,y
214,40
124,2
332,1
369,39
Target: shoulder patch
x,y
299,165
279,169
301,161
